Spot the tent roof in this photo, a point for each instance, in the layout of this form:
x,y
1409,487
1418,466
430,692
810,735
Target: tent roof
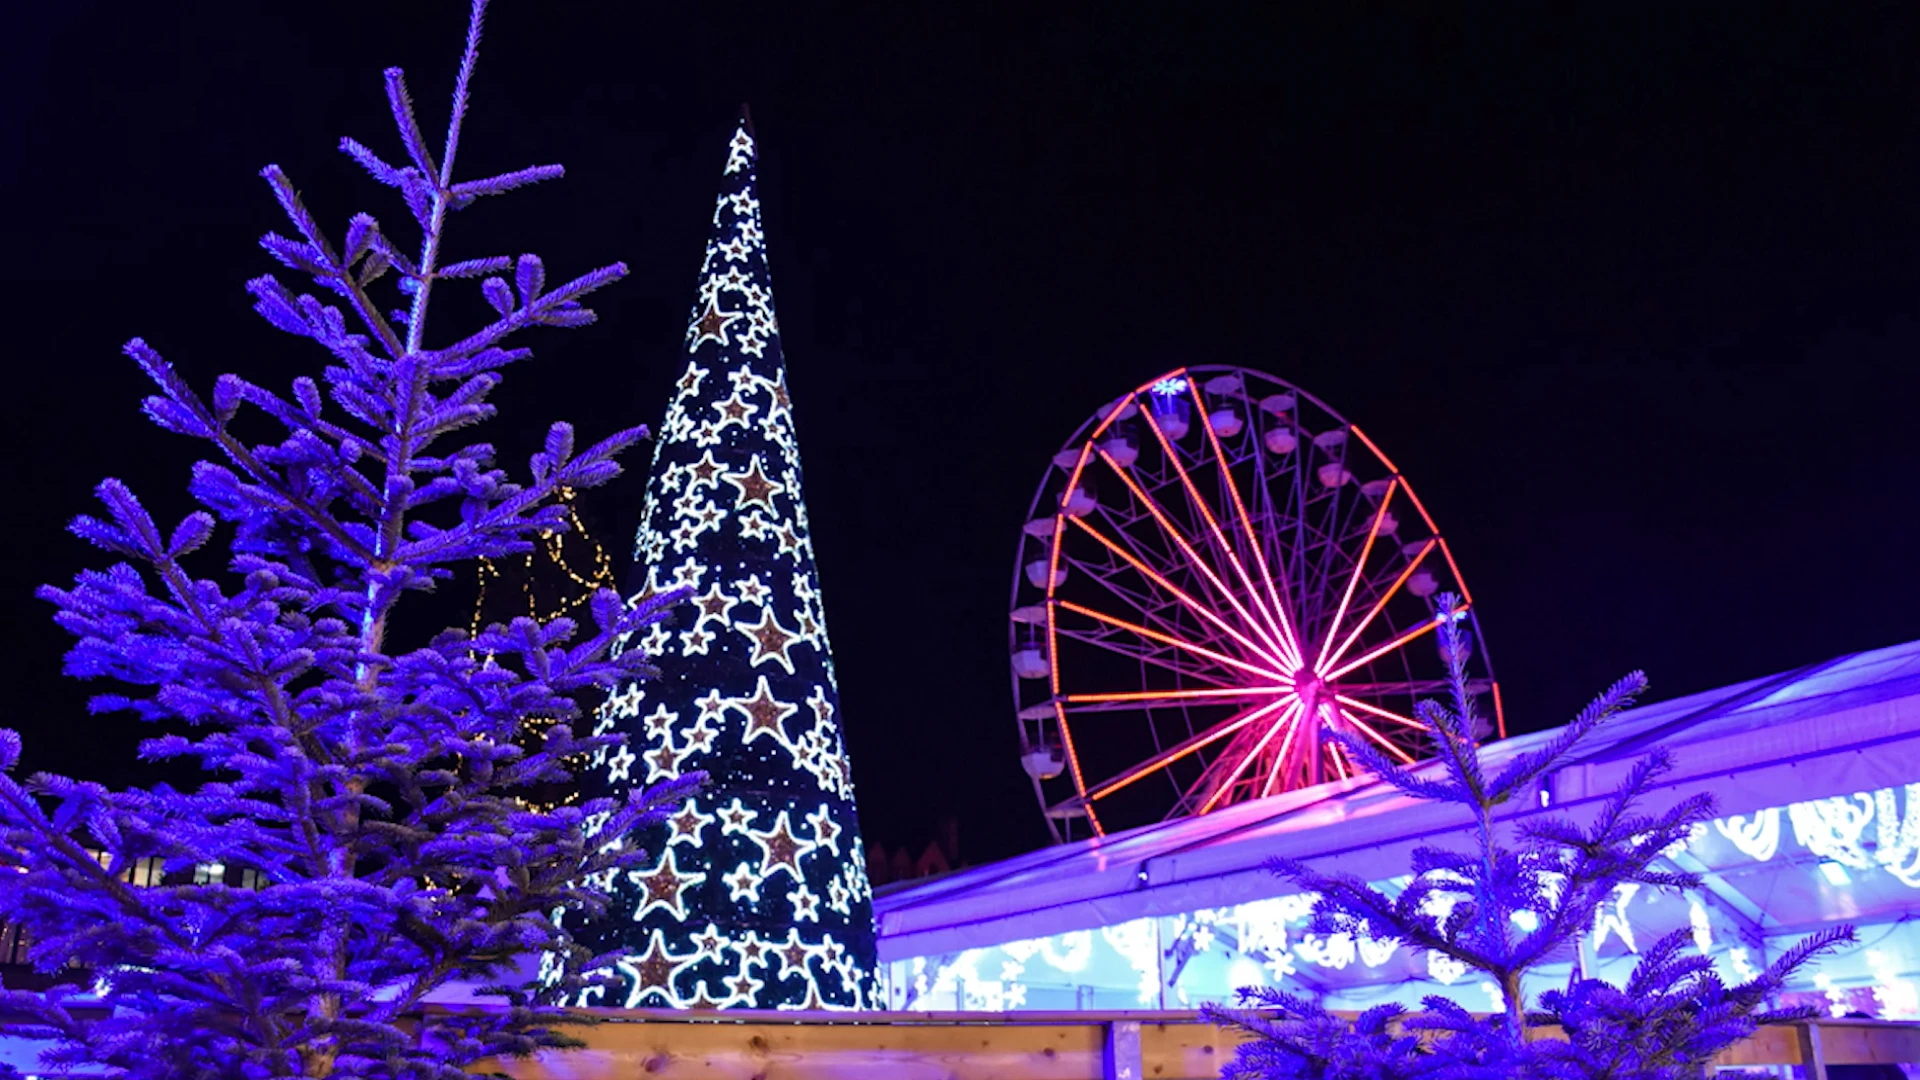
x,y
1843,726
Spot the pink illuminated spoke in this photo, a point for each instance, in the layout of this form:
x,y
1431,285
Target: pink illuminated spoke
x,y
1185,747
1384,714
1381,603
1385,743
1426,627
1289,646
1287,720
1148,656
1153,610
1144,696
1359,570
1179,594
1246,523
1178,643
1413,689
1339,760
1186,547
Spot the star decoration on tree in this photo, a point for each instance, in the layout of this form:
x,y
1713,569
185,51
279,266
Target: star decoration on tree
x,y
754,487
736,818
764,713
653,971
714,604
779,849
664,885
694,642
744,986
660,722
806,906
743,883
751,591
771,640
689,823
700,736
704,473
711,325
663,762
789,539
826,832
734,410
794,954
689,384
701,999
712,943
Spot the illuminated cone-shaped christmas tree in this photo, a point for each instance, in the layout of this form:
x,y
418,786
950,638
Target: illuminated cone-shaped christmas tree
x,y
757,895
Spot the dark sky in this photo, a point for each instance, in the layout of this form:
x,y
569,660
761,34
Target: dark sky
x,y
1630,297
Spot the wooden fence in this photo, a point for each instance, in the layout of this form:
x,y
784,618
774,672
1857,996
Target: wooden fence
x,y
661,1044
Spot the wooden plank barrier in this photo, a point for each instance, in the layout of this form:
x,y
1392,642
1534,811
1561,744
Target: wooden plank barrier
x,y
741,1044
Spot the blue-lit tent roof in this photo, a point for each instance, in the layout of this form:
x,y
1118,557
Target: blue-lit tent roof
x,y
1848,727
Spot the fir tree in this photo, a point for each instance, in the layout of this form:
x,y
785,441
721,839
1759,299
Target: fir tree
x,y
1668,1022
758,896
360,838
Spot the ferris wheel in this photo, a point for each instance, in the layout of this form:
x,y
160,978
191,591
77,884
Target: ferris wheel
x,y
1216,571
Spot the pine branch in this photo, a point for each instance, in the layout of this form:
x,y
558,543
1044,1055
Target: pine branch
x,y
1668,1022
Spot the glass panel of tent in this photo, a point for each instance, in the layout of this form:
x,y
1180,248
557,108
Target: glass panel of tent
x,y
1772,876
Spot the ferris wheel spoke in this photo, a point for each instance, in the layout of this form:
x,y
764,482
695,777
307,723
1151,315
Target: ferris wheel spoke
x,y
1180,594
1359,570
1384,714
1158,658
1380,604
1413,688
1286,628
1186,547
1226,694
1151,608
1339,760
1290,720
1426,627
1330,552
1385,743
1288,646
1185,747
1177,642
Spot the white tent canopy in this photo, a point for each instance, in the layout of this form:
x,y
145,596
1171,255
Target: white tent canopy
x,y
1810,771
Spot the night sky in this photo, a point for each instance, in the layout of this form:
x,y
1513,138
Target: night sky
x,y
1631,299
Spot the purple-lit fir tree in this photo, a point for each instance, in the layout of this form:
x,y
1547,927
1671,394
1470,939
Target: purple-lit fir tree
x,y
363,840
1517,899
758,894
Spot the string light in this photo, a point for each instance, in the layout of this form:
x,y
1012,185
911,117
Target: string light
x,y
548,564
553,546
